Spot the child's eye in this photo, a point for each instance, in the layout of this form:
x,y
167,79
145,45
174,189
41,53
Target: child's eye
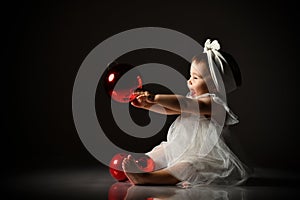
x,y
195,77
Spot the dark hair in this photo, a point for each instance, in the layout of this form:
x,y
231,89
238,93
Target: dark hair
x,y
200,58
230,62
234,68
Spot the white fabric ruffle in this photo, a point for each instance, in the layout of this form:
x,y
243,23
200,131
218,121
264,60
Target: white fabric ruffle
x,y
195,153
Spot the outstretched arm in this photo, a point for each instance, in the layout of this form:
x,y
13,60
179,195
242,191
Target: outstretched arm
x,y
173,104
183,104
141,102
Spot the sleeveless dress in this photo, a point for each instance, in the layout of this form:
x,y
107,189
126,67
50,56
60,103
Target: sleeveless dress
x,y
195,152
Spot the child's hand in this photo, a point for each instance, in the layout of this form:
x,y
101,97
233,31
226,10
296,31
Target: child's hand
x,y
142,100
139,101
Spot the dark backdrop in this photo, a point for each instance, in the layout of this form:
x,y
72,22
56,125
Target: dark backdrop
x,y
46,42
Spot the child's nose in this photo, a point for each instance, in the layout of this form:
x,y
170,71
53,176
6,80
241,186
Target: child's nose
x,y
189,82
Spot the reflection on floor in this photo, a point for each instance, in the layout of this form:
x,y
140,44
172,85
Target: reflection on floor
x,y
167,192
98,184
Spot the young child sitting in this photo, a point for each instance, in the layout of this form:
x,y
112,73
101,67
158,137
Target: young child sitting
x,y
194,152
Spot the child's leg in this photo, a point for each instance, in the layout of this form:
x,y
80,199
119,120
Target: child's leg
x,y
160,177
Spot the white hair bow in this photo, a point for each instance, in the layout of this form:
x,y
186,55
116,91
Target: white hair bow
x,y
211,48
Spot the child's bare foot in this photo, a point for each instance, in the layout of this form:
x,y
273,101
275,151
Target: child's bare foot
x,y
132,171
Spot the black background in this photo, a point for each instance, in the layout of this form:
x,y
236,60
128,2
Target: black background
x,y
46,42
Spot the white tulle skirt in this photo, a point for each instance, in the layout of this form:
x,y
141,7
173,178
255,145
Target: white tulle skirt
x,y
196,154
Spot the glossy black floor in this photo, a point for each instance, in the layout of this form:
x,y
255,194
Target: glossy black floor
x,y
98,184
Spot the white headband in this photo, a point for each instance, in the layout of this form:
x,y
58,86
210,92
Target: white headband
x,y
211,49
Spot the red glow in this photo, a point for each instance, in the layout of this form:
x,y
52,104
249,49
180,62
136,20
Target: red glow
x,y
115,167
144,162
118,191
111,77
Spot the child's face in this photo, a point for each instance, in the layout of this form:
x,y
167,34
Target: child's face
x,y
196,83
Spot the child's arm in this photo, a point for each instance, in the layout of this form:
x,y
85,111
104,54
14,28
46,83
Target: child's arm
x,y
141,102
182,104
173,104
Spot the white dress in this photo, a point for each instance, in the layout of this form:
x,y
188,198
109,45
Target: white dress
x,y
195,154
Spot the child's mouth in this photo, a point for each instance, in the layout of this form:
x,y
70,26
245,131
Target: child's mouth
x,y
192,93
